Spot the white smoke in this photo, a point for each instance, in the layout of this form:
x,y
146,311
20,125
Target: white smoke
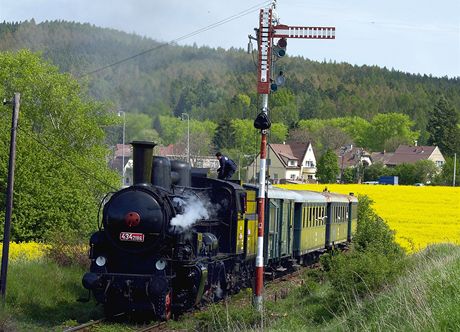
x,y
195,209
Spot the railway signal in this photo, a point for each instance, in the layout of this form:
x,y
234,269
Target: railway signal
x,y
270,29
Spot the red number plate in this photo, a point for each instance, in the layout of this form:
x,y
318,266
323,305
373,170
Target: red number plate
x,y
134,237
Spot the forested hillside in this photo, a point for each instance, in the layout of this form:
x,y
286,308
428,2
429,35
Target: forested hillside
x,y
219,85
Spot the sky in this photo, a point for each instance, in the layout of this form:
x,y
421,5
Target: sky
x,y
414,36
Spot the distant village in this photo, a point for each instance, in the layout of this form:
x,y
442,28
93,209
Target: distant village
x,y
290,162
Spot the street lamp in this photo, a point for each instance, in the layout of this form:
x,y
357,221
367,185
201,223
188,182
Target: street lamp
x,y
122,113
188,134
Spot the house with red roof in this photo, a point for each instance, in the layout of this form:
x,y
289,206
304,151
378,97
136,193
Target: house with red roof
x,y
407,154
287,162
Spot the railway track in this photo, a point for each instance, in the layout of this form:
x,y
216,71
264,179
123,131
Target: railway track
x,y
153,328
158,326
85,326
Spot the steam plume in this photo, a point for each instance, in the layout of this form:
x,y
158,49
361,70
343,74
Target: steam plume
x,y
194,210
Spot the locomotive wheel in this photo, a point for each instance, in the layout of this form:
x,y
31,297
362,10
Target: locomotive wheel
x,y
168,306
163,306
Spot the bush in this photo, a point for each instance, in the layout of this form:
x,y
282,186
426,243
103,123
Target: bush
x,y
68,249
373,260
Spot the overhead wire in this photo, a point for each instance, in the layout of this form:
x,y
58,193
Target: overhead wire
x,y
191,34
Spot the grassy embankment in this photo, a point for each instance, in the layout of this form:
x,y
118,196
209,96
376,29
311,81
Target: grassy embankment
x,y
425,297
42,296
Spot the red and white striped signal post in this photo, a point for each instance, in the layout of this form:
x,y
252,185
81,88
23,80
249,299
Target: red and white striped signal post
x,y
266,33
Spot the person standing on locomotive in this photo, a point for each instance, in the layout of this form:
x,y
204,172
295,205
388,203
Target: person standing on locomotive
x,y
227,167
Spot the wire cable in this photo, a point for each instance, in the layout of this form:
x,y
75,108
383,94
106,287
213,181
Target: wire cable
x,y
191,34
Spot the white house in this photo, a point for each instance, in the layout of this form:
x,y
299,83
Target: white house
x,y
293,161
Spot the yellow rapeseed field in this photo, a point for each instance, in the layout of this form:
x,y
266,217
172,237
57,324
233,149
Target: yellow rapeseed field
x,y
419,215
26,251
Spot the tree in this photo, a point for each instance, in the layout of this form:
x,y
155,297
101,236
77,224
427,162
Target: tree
x,y
349,175
406,174
374,171
139,128
446,176
61,163
283,107
386,127
225,135
425,171
328,167
332,138
443,128
278,133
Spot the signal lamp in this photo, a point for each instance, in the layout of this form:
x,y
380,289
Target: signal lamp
x,y
280,79
280,48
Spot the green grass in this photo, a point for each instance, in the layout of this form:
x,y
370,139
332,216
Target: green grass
x,y
41,296
425,297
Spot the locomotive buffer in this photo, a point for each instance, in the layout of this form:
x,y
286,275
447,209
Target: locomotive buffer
x,y
269,30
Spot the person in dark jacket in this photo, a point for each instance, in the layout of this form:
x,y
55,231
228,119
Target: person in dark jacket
x,y
227,167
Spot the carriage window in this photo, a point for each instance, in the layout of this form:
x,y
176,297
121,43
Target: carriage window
x,y
285,212
304,216
316,216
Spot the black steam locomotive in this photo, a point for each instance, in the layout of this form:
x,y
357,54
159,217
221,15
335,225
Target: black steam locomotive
x,y
176,239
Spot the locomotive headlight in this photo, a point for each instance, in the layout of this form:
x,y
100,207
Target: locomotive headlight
x,y
160,265
100,261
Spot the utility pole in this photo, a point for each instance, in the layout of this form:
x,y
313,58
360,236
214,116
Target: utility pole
x,y
123,149
188,134
9,195
455,169
270,29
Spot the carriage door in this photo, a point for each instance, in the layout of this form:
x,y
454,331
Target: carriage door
x,y
285,229
273,230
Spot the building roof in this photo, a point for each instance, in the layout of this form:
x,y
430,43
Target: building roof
x,y
410,154
171,150
128,151
290,151
382,157
166,150
351,157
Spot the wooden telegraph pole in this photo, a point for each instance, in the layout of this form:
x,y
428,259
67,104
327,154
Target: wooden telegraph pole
x,y
9,195
270,29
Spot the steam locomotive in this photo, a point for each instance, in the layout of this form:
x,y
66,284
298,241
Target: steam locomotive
x,y
176,239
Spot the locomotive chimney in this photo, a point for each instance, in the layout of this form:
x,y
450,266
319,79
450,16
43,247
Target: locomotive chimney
x,y
142,162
